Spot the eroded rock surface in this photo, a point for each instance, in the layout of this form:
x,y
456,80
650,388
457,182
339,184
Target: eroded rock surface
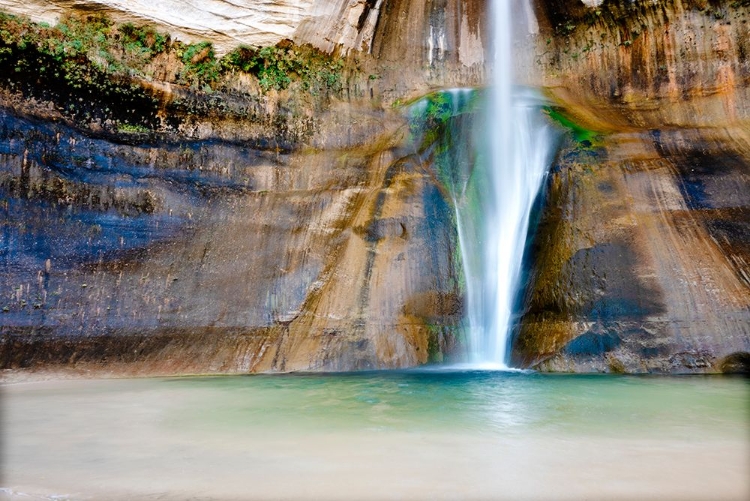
x,y
227,24
642,256
212,256
648,64
642,252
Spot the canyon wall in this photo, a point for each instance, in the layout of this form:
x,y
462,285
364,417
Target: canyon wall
x,y
181,223
200,256
640,262
182,215
648,64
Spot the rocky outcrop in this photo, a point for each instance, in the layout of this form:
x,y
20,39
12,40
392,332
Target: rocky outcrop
x,y
317,260
640,260
225,23
641,257
646,64
194,215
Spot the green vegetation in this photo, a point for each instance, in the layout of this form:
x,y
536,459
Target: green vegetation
x,y
431,114
434,353
129,50
201,68
143,40
97,71
132,129
75,66
582,136
277,67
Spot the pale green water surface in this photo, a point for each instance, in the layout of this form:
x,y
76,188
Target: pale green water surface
x,y
384,435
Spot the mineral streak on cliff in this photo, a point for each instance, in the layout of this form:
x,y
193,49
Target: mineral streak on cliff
x,y
640,261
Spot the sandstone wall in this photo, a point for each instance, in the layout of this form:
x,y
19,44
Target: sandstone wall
x,y
203,256
648,64
640,261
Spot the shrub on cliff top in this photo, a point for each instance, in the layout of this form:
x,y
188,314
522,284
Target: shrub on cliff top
x,y
90,40
96,42
276,67
73,65
201,68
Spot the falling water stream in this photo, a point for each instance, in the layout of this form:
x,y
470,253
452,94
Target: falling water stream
x,y
520,146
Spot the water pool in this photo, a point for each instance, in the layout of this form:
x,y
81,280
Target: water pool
x,y
383,435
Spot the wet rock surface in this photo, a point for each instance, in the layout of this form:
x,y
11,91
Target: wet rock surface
x,y
638,268
647,64
640,256
204,256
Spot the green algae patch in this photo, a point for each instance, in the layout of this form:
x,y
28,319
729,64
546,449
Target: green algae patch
x,y
583,136
431,116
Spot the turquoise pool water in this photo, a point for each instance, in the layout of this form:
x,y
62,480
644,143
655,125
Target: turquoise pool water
x,y
384,435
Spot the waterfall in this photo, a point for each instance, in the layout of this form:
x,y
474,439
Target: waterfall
x,y
520,148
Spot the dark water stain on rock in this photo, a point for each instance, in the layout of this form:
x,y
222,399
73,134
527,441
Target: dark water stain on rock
x,y
713,177
607,273
592,344
736,363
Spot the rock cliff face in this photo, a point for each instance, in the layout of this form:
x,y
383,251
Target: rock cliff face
x,y
641,256
648,64
227,24
418,45
214,219
208,255
236,222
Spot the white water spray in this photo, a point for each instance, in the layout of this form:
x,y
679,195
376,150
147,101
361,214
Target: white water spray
x,y
521,147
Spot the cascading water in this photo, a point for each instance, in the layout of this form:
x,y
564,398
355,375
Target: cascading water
x,y
520,148
493,168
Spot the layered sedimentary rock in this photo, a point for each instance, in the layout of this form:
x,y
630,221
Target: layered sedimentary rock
x,y
641,256
648,64
208,255
227,24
